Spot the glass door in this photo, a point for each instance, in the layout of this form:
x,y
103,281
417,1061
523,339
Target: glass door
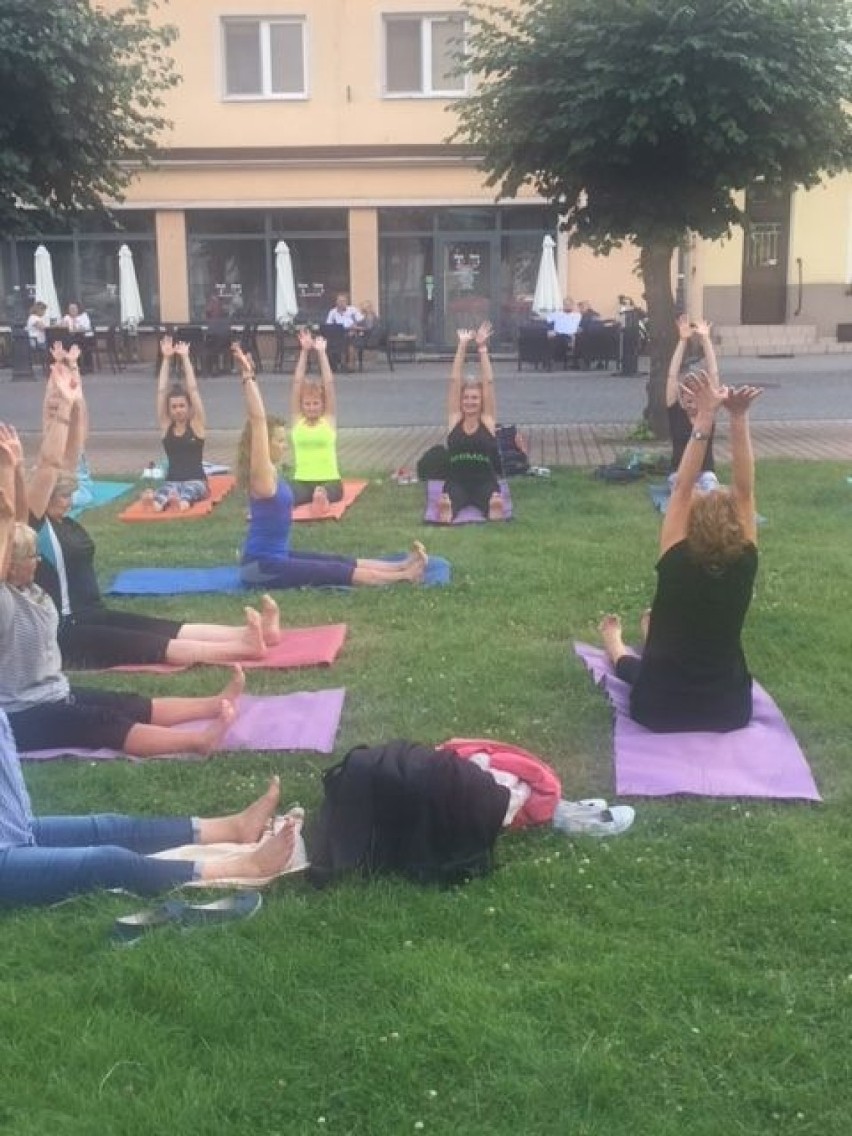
x,y
467,290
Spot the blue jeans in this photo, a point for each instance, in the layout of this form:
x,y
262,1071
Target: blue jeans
x,y
88,853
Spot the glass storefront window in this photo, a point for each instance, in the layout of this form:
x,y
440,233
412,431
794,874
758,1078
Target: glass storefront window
x,y
321,270
212,222
284,221
98,273
532,217
466,220
520,255
228,278
406,220
408,287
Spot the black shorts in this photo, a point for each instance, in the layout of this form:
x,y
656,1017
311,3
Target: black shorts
x,y
475,493
100,637
86,719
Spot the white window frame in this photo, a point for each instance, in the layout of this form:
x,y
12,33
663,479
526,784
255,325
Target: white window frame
x,y
426,20
266,94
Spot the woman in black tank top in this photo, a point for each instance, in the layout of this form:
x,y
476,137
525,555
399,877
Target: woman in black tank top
x,y
692,674
180,413
473,451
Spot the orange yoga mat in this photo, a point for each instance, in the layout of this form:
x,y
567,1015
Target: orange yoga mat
x,y
351,490
220,484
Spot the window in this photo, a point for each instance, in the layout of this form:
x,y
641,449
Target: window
x,y
420,55
264,59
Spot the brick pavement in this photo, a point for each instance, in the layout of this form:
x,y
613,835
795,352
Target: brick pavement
x,y
384,449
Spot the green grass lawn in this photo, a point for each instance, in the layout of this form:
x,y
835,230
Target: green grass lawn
x,y
693,977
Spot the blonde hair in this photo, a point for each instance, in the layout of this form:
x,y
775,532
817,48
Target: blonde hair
x,y
310,387
714,533
66,485
23,541
273,423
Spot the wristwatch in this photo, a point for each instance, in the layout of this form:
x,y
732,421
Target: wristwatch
x,y
700,436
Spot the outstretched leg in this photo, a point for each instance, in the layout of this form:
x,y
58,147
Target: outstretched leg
x,y
246,827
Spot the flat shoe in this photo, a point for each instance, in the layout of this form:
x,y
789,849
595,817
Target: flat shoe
x,y
129,929
611,821
241,905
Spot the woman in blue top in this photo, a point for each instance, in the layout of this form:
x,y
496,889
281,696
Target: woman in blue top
x,y
267,560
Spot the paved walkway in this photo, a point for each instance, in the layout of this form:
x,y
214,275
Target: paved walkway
x,y
383,449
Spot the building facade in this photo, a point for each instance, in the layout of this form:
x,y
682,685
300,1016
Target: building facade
x,y
328,124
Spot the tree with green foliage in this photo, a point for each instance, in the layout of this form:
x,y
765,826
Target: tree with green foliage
x,y
81,95
643,120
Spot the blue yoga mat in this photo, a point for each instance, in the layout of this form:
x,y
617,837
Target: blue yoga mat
x,y
100,493
660,495
225,578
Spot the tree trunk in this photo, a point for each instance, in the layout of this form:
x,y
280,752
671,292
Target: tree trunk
x,y
655,262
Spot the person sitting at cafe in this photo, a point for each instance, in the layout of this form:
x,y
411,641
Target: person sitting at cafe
x,y
563,328
347,316
78,324
37,325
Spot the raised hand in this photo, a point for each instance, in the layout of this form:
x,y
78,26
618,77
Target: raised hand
x,y
306,340
706,397
7,512
64,383
482,333
465,335
684,328
72,355
243,361
702,329
738,400
10,441
57,351
167,347
182,349
321,343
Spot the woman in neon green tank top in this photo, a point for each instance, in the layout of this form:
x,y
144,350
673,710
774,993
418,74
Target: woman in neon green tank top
x,y
313,412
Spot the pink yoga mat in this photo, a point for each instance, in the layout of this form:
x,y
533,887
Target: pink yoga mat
x,y
466,516
304,721
762,760
299,647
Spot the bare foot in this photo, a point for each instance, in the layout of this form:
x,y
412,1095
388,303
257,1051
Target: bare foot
x,y
255,643
183,504
645,623
236,685
158,506
445,509
417,555
495,507
250,825
275,853
212,737
416,569
270,620
147,496
319,502
610,629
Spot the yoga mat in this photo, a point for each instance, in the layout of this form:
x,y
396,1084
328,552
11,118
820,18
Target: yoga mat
x,y
220,484
351,490
660,495
226,578
762,760
304,721
469,514
101,493
299,647
201,852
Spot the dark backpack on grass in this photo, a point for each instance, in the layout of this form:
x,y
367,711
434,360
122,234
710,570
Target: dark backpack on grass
x,y
513,454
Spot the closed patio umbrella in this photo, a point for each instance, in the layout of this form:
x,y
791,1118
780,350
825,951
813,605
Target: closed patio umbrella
x,y
45,289
548,295
130,302
286,304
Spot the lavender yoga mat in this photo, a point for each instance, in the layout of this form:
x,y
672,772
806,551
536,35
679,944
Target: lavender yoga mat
x,y
466,516
762,760
307,720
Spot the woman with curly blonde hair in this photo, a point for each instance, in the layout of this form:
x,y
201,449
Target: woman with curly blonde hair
x,y
692,674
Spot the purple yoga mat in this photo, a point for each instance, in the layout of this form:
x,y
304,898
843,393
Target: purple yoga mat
x,y
307,720
466,516
762,760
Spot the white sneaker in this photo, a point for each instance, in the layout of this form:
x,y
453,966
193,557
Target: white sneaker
x,y
566,810
599,823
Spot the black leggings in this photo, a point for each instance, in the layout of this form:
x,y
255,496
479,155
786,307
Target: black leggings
x,y
86,719
627,668
100,637
475,493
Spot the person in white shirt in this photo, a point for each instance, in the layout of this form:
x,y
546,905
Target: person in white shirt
x,y
347,316
564,326
77,322
37,323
